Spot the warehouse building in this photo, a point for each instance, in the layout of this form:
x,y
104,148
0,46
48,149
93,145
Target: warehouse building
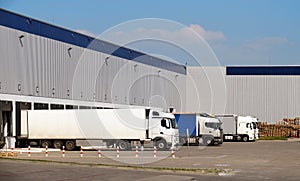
x,y
48,67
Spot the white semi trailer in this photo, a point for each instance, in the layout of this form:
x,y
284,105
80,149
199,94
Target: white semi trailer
x,y
239,128
120,127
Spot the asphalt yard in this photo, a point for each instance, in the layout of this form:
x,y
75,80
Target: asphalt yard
x,y
261,160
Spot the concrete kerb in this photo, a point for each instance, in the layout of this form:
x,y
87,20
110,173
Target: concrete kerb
x,y
294,139
209,171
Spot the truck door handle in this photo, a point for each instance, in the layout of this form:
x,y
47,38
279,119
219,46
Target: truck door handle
x,y
209,131
161,132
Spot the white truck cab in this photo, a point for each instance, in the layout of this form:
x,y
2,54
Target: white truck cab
x,y
239,128
199,129
164,133
246,127
210,125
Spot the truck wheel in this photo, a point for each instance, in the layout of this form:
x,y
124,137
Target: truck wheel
x,y
57,144
45,143
200,141
124,145
208,141
183,141
245,138
161,145
70,145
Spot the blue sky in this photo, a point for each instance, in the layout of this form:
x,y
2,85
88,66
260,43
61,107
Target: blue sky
x,y
263,32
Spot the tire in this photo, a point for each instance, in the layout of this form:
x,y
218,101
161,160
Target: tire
x,y
124,145
70,145
183,141
2,142
208,141
45,143
200,141
161,145
58,144
2,145
245,138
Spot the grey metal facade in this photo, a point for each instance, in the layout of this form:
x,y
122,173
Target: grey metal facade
x,y
42,67
270,97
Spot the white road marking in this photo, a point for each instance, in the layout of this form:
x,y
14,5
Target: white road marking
x,y
222,165
218,157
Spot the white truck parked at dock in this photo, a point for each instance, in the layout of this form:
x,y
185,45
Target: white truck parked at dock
x,y
119,127
199,128
239,128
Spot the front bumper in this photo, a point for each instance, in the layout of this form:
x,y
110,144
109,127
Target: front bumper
x,y
218,140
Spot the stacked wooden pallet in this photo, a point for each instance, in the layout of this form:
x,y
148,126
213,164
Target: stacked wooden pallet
x,y
286,128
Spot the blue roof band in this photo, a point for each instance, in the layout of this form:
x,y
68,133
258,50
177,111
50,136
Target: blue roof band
x,y
263,70
36,27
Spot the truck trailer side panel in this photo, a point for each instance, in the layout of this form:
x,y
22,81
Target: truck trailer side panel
x,y
87,124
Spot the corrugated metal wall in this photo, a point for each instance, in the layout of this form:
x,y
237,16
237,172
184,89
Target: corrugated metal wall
x,y
270,98
206,89
39,66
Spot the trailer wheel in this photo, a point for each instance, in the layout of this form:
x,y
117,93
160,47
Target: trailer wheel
x,y
124,145
161,144
57,144
45,143
245,138
70,145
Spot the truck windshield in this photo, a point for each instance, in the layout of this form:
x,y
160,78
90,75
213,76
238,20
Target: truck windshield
x,y
173,123
213,125
249,125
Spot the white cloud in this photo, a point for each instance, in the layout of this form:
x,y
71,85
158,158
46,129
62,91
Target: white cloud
x,y
86,32
187,34
208,35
